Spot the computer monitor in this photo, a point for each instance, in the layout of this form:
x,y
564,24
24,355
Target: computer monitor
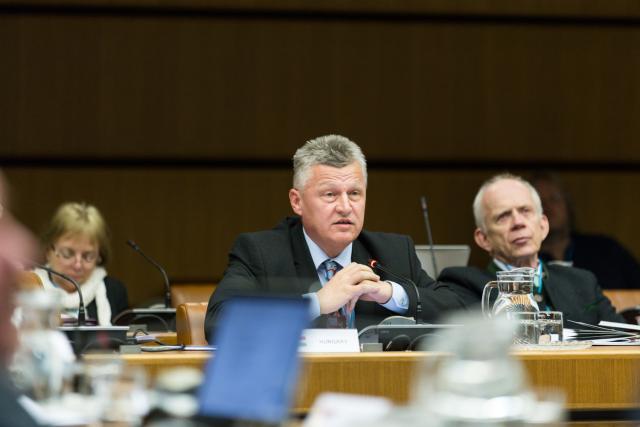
x,y
254,370
446,256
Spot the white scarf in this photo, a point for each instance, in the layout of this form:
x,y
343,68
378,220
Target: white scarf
x,y
92,289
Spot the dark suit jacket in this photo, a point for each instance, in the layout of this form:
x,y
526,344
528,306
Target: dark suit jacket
x,y
573,291
612,263
278,261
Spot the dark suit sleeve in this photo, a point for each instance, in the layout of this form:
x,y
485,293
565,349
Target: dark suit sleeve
x,y
117,295
605,310
467,283
240,277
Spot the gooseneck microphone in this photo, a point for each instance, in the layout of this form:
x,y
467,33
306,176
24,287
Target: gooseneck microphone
x,y
427,224
375,265
81,309
167,287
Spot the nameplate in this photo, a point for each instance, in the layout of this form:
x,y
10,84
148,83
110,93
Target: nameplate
x,y
329,341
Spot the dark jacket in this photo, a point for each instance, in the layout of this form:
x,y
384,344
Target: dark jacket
x,y
612,263
278,261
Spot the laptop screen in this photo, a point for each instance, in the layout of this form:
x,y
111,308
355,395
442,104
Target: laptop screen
x,y
254,371
446,256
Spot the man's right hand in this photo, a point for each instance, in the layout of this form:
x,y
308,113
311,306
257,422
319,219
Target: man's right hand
x,y
347,285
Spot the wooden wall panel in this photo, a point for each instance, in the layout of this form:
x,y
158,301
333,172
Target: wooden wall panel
x,y
100,96
187,219
113,85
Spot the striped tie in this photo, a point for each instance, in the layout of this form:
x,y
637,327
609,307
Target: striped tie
x,y
339,318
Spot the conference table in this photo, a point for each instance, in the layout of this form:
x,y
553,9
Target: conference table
x,y
598,378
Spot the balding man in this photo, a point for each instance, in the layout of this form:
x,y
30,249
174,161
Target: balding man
x,y
510,226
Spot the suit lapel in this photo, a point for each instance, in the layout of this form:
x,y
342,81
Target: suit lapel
x,y
359,253
305,270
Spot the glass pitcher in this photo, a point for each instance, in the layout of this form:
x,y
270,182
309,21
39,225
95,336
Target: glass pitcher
x,y
515,292
44,359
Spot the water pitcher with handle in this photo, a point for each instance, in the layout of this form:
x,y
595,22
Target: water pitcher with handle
x,y
515,292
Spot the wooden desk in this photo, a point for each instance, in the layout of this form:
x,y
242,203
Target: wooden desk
x,y
597,378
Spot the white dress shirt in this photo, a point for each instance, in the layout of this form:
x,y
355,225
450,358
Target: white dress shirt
x,y
398,303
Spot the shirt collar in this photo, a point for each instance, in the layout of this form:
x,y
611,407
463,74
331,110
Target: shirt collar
x,y
319,256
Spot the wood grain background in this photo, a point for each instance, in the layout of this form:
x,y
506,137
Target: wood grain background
x,y
179,119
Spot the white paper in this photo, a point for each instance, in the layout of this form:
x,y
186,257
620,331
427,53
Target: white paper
x,y
345,410
627,326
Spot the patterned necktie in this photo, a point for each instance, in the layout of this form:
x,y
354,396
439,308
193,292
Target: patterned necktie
x,y
339,318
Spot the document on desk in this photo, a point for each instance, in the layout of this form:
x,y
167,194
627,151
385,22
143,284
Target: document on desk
x,y
605,333
160,348
620,341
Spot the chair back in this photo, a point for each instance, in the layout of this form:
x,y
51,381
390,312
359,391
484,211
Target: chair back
x,y
182,293
623,298
190,323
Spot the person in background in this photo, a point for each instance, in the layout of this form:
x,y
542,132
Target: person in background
x,y
16,245
322,253
76,243
612,263
510,227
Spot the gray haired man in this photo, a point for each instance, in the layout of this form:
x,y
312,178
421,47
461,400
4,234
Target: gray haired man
x,y
322,253
510,227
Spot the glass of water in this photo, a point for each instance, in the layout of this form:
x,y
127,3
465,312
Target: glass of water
x,y
550,325
526,330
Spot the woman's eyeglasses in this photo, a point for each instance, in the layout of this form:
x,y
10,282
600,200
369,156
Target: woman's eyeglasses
x,y
68,254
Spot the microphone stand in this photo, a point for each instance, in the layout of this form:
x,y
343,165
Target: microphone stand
x,y
81,307
157,319
425,213
376,266
167,286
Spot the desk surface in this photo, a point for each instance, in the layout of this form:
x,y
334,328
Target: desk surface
x,y
596,378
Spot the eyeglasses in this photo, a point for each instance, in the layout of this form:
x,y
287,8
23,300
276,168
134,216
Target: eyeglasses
x,y
68,255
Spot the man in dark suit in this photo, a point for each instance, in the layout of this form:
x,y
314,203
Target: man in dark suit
x,y
322,253
511,227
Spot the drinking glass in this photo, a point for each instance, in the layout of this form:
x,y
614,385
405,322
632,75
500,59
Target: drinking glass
x,y
526,330
550,325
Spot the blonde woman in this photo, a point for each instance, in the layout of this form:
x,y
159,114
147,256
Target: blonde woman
x,y
76,242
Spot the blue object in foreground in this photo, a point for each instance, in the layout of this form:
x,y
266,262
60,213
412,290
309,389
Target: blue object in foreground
x,y
255,367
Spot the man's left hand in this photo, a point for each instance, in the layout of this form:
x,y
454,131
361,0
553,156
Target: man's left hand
x,y
382,295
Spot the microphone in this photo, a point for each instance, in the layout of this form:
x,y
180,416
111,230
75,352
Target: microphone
x,y
427,224
81,308
375,265
167,287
